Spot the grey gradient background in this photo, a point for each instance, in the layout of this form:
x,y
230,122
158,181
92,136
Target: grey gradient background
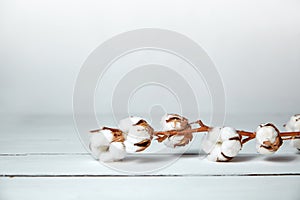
x,y
255,46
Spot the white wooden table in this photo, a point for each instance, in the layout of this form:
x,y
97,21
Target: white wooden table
x,y
41,157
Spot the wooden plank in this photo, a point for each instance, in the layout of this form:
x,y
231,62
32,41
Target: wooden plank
x,y
46,160
57,134
186,165
39,134
275,188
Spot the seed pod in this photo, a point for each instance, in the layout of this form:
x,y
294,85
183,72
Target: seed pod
x,y
221,144
176,122
106,144
294,125
138,134
268,139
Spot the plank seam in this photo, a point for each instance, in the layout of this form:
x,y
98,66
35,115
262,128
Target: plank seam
x,y
130,176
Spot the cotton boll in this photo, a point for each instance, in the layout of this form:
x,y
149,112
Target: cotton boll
x,y
138,134
228,133
231,148
262,150
117,150
294,123
221,144
210,139
268,140
130,147
107,144
126,123
172,141
97,150
266,133
135,126
99,142
174,122
172,126
216,154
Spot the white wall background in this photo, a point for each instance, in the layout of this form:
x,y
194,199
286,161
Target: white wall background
x,y
254,44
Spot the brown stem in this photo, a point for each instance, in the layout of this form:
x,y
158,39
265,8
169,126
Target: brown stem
x,y
182,132
162,135
246,133
247,139
289,134
286,135
201,124
95,131
249,135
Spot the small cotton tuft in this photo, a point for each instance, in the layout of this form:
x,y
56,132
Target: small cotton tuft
x,y
268,140
176,122
294,125
221,144
138,134
103,145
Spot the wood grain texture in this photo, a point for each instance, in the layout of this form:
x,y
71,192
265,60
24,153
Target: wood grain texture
x,y
246,188
42,157
190,165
